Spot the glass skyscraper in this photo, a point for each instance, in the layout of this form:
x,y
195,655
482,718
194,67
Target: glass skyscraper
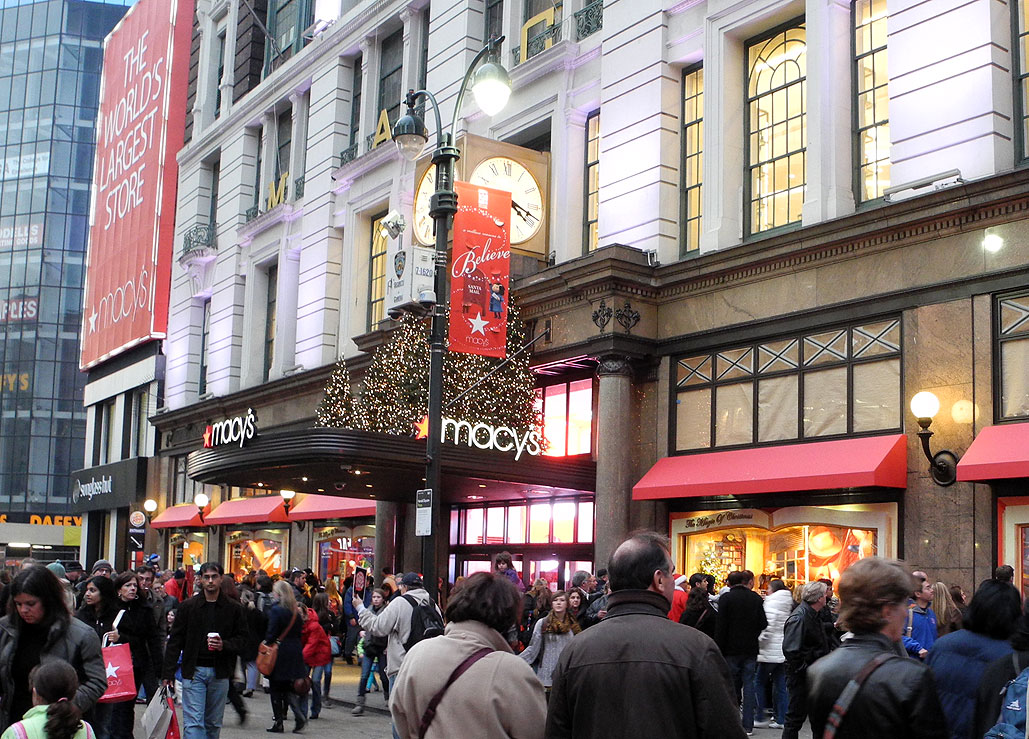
x,y
50,59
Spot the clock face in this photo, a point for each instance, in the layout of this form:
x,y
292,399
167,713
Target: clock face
x,y
504,173
423,222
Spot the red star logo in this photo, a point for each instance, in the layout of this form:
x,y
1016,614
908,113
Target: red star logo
x,y
422,428
207,437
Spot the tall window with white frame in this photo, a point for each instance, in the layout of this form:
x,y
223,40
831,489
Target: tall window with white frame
x,y
212,202
219,54
692,156
391,70
1012,356
205,333
284,142
871,105
269,320
377,273
423,62
592,209
1021,10
355,101
776,125
494,20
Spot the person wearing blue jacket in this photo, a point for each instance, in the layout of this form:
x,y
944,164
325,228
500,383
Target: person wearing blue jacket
x,y
920,630
353,629
959,659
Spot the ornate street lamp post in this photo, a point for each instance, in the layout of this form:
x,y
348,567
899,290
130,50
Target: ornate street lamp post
x,y
491,88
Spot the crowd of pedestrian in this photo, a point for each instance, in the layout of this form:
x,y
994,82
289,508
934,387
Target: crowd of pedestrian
x,y
881,652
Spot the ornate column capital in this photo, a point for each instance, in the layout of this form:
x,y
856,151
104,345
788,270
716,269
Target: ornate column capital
x,y
614,365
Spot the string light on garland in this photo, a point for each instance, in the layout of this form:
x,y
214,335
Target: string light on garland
x,y
337,406
395,391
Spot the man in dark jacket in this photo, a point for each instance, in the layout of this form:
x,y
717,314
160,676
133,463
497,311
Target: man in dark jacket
x,y
804,641
678,681
210,631
741,619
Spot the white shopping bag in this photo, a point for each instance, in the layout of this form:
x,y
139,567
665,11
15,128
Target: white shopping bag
x,y
158,715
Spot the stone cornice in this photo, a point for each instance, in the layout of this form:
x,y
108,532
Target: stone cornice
x,y
620,270
882,226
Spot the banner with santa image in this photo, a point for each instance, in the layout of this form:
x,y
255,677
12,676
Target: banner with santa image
x,y
480,271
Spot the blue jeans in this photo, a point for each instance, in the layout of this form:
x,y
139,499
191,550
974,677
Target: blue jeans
x,y
366,671
743,669
322,675
776,672
203,704
252,676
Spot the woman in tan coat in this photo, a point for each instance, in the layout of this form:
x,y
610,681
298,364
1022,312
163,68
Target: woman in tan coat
x,y
498,695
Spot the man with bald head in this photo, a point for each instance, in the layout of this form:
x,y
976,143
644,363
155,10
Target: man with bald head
x,y
637,673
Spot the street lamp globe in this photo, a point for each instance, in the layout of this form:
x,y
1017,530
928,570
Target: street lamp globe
x,y
410,135
201,500
491,88
925,404
149,505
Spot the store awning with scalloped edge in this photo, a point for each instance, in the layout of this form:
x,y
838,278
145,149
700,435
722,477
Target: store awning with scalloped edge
x,y
314,507
998,453
266,509
871,461
179,516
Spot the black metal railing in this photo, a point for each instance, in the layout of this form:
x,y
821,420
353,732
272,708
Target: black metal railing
x,y
252,213
589,20
348,155
298,188
200,236
536,44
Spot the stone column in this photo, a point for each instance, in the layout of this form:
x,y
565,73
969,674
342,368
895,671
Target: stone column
x,y
614,455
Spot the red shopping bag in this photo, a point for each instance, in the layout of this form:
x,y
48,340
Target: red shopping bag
x,y
121,683
173,727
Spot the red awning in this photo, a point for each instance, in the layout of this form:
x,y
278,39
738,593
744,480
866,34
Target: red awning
x,y
266,509
998,452
875,461
179,516
329,506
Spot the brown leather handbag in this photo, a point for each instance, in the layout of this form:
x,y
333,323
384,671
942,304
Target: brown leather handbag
x,y
268,653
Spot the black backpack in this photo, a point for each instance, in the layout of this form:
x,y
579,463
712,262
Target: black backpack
x,y
425,622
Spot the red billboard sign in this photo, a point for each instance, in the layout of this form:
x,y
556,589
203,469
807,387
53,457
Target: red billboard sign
x,y
480,271
140,129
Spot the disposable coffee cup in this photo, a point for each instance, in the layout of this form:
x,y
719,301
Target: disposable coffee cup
x,y
211,635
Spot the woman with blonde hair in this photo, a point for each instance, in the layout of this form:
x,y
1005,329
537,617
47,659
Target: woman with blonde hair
x,y
550,635
285,625
335,601
948,615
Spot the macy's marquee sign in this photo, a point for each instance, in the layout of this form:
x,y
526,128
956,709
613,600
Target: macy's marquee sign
x,y
484,436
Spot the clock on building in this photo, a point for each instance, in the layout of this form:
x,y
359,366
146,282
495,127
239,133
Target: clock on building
x,y
505,173
525,173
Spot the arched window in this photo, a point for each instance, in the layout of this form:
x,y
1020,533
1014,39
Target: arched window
x,y
776,127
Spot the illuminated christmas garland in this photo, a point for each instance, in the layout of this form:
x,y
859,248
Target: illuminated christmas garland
x,y
395,392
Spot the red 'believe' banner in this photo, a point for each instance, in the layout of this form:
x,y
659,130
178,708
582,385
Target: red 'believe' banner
x,y
139,131
480,271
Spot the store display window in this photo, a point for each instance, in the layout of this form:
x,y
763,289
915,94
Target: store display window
x,y
557,521
186,550
797,545
256,550
339,550
1013,538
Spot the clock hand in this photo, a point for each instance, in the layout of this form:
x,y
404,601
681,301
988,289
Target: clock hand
x,y
525,214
